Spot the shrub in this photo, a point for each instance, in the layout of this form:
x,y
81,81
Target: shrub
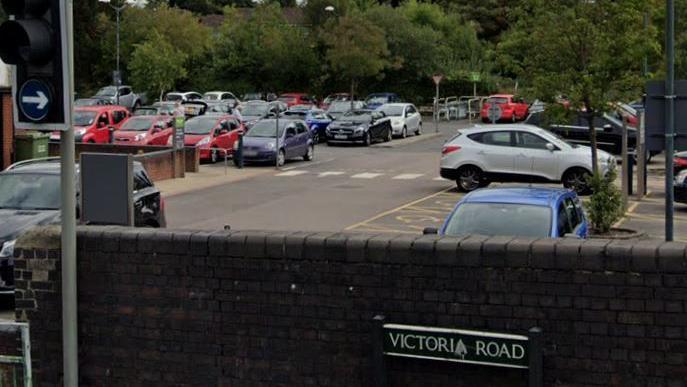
x,y
605,205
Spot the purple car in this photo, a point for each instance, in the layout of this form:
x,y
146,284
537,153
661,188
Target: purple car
x,y
295,140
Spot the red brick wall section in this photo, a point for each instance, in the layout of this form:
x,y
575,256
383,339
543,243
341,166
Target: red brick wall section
x,y
7,128
295,309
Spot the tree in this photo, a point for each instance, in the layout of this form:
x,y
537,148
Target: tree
x,y
356,49
591,52
156,65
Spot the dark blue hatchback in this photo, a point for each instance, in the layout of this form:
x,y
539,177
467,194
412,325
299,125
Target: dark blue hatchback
x,y
526,212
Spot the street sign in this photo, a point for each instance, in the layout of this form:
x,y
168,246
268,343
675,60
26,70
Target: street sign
x,y
437,78
494,112
35,99
117,78
178,132
475,76
656,112
456,345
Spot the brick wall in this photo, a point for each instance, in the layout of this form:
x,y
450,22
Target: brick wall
x,y
295,309
6,128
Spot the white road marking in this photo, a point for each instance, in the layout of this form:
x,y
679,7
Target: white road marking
x,y
408,176
366,175
291,173
330,173
439,179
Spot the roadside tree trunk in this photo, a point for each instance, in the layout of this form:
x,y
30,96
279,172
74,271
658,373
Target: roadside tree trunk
x,y
592,138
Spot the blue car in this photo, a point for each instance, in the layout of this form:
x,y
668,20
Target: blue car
x,y
375,100
522,212
317,119
260,142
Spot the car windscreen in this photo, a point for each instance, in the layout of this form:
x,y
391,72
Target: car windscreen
x,y
200,125
255,110
393,111
138,124
339,107
84,118
357,117
145,112
173,97
497,100
109,91
25,191
211,97
266,128
500,219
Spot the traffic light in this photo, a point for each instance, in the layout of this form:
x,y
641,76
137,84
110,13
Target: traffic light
x,y
33,40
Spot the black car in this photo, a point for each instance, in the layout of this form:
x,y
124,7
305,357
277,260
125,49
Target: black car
x,y
361,126
608,131
30,196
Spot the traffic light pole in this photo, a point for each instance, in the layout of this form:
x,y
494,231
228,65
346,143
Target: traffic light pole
x,y
670,117
68,192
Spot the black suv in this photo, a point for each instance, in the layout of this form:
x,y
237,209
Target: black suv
x,y
30,196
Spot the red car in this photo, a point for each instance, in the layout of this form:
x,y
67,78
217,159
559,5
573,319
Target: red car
x,y
145,130
92,123
214,134
291,99
513,108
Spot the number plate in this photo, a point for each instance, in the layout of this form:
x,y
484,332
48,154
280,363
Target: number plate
x,y
250,153
340,137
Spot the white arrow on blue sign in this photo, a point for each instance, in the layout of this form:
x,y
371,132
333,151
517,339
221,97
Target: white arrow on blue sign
x,y
35,99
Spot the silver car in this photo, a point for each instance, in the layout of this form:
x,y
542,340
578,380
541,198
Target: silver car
x,y
122,97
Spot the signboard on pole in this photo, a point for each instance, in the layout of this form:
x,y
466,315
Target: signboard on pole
x,y
437,78
656,115
475,76
456,345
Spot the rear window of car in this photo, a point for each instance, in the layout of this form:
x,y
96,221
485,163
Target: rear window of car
x,y
500,219
492,138
498,100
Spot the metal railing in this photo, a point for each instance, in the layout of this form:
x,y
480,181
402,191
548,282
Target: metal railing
x,y
459,108
24,360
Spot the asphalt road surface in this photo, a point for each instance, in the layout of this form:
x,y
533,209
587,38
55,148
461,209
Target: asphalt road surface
x,y
343,188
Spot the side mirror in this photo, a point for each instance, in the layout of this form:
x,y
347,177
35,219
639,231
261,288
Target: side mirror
x,y
550,147
608,128
430,231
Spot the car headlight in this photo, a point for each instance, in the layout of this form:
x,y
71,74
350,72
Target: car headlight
x,y
7,249
271,145
140,137
360,129
204,141
80,132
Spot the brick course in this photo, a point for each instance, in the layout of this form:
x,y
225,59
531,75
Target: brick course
x,y
295,309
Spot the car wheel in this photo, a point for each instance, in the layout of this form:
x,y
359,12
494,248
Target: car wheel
x,y
469,178
281,158
576,179
419,130
368,140
389,134
404,132
310,154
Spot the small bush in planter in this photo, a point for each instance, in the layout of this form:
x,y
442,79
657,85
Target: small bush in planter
x,y
605,205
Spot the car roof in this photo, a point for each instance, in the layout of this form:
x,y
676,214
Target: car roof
x,y
498,128
396,104
501,95
538,196
50,165
97,108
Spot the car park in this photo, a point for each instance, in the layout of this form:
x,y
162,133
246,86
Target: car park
x,y
220,107
291,99
359,126
213,134
476,156
259,96
145,130
30,196
176,96
339,108
336,97
512,108
224,96
260,145
404,117
92,102
518,212
122,96
375,100
93,124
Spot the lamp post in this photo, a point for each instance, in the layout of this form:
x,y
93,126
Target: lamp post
x,y
118,11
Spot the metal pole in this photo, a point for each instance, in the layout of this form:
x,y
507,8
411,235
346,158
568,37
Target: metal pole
x,y
670,116
624,179
119,75
68,213
436,110
276,141
641,157
536,357
379,378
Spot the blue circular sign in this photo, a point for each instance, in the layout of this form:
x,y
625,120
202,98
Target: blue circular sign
x,y
35,99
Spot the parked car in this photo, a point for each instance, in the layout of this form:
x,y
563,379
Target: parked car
x,y
127,97
259,96
476,156
181,97
166,107
518,212
317,120
260,146
292,99
679,162
680,187
336,97
145,130
513,108
405,118
253,111
225,96
194,108
338,108
361,126
30,196
92,102
622,110
375,100
214,134
225,107
93,123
